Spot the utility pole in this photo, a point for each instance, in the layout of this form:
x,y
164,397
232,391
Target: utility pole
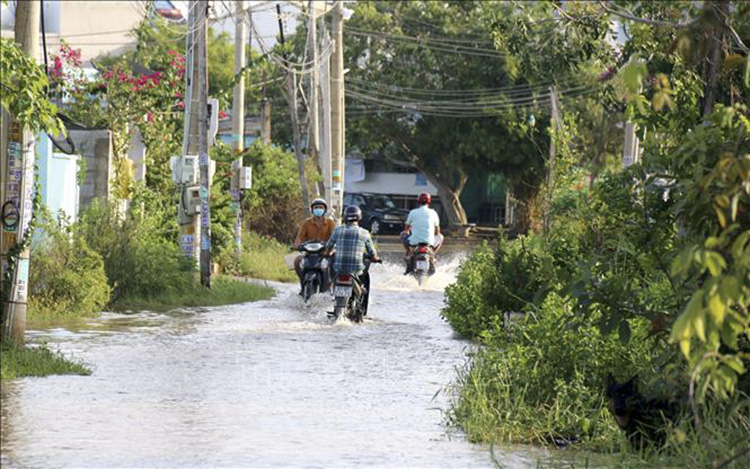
x,y
265,116
238,116
325,140
205,181
291,91
18,207
337,110
189,222
556,122
313,146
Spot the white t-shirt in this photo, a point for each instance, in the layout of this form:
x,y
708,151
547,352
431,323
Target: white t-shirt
x,y
423,221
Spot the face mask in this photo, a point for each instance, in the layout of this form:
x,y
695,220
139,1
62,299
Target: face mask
x,y
318,212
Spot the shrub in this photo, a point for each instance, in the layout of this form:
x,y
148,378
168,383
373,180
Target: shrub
x,y
273,206
469,309
515,276
261,257
67,277
541,380
139,249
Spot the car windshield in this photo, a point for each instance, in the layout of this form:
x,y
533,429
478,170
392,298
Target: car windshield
x,y
382,201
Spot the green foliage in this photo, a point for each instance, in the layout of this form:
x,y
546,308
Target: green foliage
x,y
23,86
468,306
17,362
272,205
140,254
540,379
262,257
223,291
712,170
67,277
442,141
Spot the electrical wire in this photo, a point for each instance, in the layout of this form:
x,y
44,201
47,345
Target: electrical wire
x,y
511,89
478,109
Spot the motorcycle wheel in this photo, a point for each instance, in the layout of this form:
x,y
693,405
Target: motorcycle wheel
x,y
354,312
311,287
420,278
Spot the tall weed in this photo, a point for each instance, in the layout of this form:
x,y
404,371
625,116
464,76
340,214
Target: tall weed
x,y
67,278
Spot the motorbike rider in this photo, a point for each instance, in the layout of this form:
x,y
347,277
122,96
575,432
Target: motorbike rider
x,y
351,242
422,226
316,228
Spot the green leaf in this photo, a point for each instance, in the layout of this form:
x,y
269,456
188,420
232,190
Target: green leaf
x,y
699,326
735,364
735,202
712,242
730,289
738,246
715,262
718,308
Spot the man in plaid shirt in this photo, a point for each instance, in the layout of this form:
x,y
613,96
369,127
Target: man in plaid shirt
x,y
351,242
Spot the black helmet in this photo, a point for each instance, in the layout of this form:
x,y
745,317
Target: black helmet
x,y
352,213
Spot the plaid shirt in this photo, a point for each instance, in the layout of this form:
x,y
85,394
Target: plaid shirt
x,y
351,241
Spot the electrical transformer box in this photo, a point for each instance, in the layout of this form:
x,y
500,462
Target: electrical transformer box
x,y
246,178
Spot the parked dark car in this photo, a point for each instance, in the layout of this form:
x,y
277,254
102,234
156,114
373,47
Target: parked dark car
x,y
379,213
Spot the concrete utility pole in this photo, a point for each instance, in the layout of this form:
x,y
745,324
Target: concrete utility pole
x,y
205,187
337,110
190,222
631,148
238,116
265,115
313,146
291,91
325,140
556,121
17,209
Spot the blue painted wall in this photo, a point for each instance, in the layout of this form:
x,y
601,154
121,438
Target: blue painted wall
x,y
57,178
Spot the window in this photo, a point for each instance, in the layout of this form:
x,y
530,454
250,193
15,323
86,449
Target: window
x,y
382,201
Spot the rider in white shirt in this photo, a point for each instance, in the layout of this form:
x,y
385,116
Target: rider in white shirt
x,y
422,226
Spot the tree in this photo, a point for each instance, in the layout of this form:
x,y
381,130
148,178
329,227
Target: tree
x,y
23,86
428,86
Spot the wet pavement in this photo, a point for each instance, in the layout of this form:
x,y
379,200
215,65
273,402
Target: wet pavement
x,y
263,384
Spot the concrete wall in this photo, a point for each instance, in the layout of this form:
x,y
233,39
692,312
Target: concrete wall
x,y
137,154
95,146
96,27
392,183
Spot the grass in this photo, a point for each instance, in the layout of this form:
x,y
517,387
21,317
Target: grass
x,y
37,361
40,316
264,258
224,291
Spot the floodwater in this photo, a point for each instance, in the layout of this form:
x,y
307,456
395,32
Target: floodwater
x,y
262,384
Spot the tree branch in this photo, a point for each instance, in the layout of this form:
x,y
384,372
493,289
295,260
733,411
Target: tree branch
x,y
737,38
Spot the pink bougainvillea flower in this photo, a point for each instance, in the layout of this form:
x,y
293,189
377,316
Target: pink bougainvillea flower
x,y
223,115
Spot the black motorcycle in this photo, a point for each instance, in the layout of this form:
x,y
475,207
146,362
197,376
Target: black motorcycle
x,y
352,294
316,271
421,262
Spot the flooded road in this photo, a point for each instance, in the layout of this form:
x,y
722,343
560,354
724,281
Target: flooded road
x,y
254,385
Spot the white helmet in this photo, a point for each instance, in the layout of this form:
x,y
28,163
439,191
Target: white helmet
x,y
319,201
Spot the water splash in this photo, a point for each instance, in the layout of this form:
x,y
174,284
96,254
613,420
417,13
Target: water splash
x,y
389,276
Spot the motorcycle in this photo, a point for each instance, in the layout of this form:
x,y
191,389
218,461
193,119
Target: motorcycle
x,y
421,262
316,271
351,294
